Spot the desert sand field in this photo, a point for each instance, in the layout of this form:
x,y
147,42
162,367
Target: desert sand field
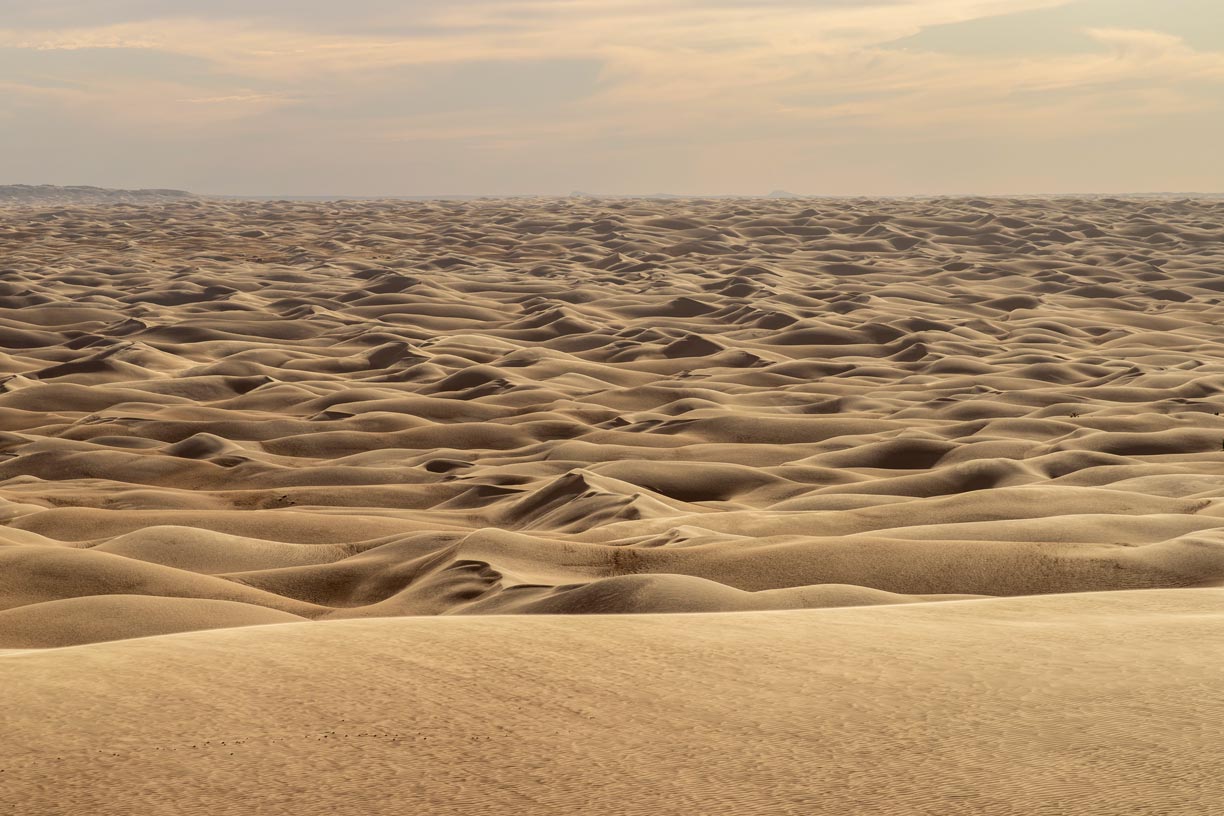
x,y
384,507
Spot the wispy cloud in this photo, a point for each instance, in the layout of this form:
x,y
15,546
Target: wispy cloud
x,y
785,72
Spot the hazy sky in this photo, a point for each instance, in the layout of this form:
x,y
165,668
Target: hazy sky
x,y
416,97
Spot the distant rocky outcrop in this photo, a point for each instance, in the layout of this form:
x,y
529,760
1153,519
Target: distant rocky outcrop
x,y
40,195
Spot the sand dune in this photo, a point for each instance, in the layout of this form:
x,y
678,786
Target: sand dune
x,y
95,618
41,195
1097,703
220,414
415,408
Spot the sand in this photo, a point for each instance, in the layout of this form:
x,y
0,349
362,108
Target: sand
x,y
611,506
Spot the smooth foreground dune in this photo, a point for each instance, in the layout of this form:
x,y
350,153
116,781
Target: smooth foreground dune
x,y
1094,703
394,507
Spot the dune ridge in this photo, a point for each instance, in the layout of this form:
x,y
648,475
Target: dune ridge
x,y
950,470
1097,703
345,409
43,195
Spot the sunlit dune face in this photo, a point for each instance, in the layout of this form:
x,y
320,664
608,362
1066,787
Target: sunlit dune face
x,y
886,96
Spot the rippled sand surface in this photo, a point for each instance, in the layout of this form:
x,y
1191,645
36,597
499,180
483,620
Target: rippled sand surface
x,y
921,454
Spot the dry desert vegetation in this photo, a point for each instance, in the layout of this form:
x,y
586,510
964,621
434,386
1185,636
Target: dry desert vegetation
x,y
382,507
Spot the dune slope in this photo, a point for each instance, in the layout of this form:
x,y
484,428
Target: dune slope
x,y
380,507
1097,703
366,409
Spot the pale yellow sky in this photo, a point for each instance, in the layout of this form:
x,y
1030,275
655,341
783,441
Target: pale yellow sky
x,y
375,97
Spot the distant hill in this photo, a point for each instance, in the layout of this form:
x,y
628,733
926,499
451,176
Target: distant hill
x,y
39,195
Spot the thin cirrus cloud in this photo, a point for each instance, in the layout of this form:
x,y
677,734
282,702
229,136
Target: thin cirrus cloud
x,y
525,96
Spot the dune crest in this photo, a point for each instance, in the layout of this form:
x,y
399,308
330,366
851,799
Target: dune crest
x,y
288,487
372,408
1088,703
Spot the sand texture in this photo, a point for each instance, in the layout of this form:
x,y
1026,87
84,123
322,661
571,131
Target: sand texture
x,y
387,507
